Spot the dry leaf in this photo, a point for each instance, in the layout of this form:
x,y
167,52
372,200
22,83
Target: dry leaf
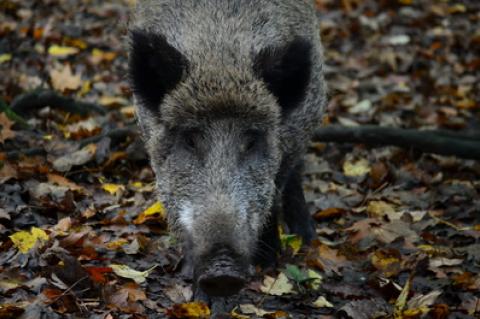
x,y
190,310
276,286
154,212
25,240
5,128
63,79
356,168
127,272
62,51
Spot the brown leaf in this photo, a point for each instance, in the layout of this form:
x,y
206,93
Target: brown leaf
x,y
10,312
63,79
5,128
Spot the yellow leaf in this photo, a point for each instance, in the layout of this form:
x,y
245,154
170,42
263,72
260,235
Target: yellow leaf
x,y
112,101
86,87
100,56
292,241
457,8
113,188
61,51
25,240
128,111
401,301
156,211
406,2
357,168
127,272
378,209
5,57
116,244
137,184
190,310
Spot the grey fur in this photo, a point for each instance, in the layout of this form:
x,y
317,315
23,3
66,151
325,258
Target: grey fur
x,y
229,198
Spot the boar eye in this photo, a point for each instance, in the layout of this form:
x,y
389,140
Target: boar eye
x,y
190,138
251,139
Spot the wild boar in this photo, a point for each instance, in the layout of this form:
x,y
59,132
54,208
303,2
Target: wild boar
x,y
227,95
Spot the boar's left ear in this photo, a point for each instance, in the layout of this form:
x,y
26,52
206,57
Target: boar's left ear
x,y
286,71
155,67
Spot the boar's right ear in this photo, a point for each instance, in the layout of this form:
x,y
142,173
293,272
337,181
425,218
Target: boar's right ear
x,y
286,71
155,67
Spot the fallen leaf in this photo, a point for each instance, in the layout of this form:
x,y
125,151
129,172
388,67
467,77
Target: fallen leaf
x,y
127,298
179,293
80,157
356,168
250,309
154,212
276,286
25,240
112,101
127,272
113,189
422,302
63,79
10,311
401,301
5,128
191,310
291,240
62,51
99,56
5,57
98,273
7,172
322,302
387,261
63,181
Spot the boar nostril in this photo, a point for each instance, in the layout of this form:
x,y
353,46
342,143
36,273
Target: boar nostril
x,y
224,276
221,285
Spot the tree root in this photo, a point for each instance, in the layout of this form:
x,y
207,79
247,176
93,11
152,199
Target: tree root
x,y
464,145
37,99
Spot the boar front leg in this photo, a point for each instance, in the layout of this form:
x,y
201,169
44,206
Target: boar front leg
x,y
268,245
295,211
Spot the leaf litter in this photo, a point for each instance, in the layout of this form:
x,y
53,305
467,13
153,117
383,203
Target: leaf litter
x,y
398,232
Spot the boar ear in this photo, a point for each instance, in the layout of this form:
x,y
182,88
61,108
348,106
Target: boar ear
x,y
155,67
286,71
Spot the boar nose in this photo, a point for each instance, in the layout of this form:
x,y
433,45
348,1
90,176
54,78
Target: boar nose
x,y
222,277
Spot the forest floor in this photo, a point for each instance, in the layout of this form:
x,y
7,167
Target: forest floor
x,y
81,234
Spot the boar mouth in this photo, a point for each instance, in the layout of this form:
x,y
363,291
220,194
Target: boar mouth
x,y
222,276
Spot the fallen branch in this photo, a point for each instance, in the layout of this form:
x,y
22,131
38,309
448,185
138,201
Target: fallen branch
x,y
37,99
464,145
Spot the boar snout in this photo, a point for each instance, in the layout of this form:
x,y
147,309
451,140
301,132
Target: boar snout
x,y
222,275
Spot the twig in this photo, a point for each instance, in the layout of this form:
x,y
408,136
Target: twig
x,y
464,145
70,288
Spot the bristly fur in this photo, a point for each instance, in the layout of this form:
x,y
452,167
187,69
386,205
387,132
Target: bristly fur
x,y
155,67
205,75
286,71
